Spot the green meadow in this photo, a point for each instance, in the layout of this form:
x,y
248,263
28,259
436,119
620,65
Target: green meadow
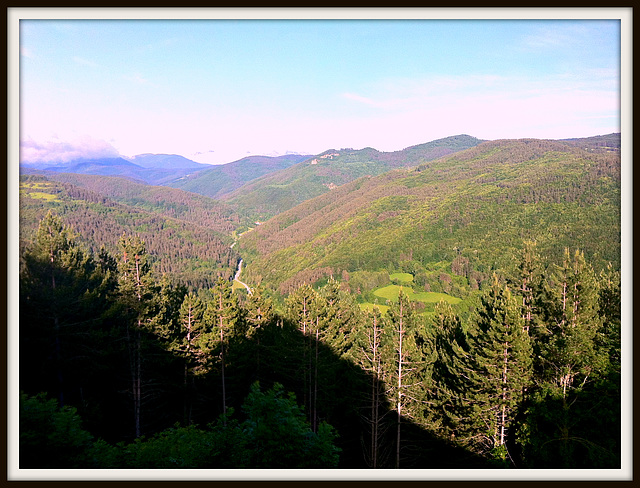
x,y
392,292
31,189
370,306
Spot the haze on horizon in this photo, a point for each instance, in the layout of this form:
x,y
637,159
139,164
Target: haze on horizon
x,y
215,91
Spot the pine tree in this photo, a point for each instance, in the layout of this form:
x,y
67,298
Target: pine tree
x,y
451,347
302,308
561,425
221,318
136,289
341,317
497,368
571,355
260,315
529,285
62,293
408,357
189,345
367,353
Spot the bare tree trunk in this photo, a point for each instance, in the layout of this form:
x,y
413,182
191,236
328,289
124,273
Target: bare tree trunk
x,y
138,384
224,391
375,395
315,384
504,394
399,404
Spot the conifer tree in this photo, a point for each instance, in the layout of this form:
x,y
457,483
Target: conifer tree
x,y
189,345
571,355
497,368
302,308
136,289
368,354
259,316
572,383
61,289
529,285
408,358
341,317
451,347
221,318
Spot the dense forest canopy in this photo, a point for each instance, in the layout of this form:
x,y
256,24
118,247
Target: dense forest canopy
x,y
461,313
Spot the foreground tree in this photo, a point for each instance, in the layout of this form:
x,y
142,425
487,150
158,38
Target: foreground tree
x,y
62,294
136,290
221,319
408,359
497,369
575,410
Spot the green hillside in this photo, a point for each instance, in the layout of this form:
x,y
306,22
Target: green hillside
x,y
191,253
225,178
279,191
448,223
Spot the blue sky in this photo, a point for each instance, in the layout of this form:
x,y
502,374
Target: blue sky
x,y
218,90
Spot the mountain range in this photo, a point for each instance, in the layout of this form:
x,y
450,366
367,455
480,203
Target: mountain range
x,y
465,214
281,190
449,212
153,169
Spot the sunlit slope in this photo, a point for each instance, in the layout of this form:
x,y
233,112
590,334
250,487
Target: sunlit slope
x,y
222,179
466,214
279,191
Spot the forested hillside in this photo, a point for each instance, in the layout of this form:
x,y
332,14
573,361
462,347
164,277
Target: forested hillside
x,y
461,313
120,370
222,179
282,190
450,222
168,202
188,238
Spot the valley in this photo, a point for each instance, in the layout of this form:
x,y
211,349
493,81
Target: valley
x,y
406,299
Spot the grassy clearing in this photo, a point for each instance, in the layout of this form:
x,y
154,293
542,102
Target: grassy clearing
x,y
40,195
401,277
391,292
370,306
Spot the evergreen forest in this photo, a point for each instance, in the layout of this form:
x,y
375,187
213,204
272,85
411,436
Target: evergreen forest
x,y
460,312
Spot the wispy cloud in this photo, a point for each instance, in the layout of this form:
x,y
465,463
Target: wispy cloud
x,y
55,150
490,106
402,94
26,52
85,62
556,35
136,78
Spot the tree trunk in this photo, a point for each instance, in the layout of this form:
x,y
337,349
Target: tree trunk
x,y
399,404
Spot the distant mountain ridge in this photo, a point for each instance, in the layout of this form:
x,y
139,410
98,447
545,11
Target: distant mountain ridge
x,y
460,215
220,180
281,190
166,161
153,169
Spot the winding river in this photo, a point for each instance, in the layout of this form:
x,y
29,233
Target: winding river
x,y
237,277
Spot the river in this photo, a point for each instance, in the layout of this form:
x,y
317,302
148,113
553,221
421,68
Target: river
x,y
237,277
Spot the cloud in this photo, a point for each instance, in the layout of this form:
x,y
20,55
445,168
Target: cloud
x,y
26,52
85,62
361,99
136,78
55,150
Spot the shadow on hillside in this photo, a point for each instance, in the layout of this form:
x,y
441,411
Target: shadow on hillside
x,y
90,370
281,353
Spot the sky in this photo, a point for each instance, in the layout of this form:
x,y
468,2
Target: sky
x,y
215,91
